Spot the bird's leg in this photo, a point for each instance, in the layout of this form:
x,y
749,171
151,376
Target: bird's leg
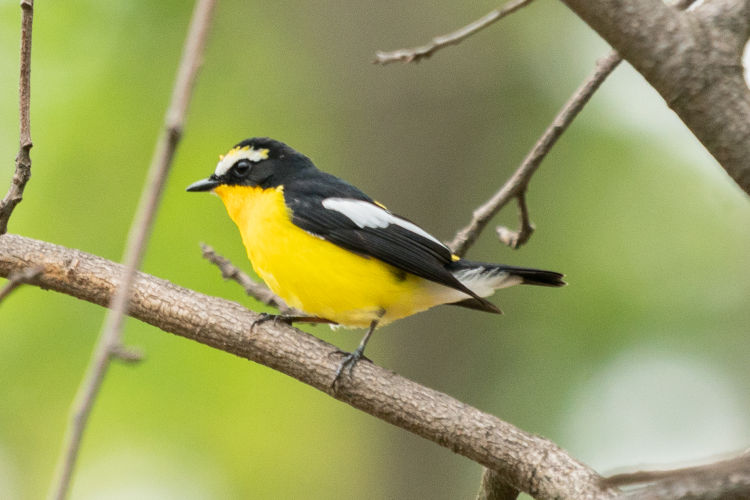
x,y
351,359
289,319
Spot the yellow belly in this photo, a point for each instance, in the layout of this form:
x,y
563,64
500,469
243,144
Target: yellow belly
x,y
316,276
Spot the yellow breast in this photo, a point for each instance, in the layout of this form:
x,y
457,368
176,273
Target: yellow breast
x,y
314,275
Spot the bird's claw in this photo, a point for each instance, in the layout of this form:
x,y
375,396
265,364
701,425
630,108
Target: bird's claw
x,y
265,317
347,365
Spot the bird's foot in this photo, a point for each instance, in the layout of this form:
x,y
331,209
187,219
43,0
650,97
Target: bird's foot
x,y
265,317
289,319
347,364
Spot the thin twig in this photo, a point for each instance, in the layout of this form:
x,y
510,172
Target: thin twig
x,y
17,279
255,290
516,186
22,173
109,343
515,239
521,177
416,54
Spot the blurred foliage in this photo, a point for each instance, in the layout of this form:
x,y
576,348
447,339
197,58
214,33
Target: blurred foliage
x,y
652,235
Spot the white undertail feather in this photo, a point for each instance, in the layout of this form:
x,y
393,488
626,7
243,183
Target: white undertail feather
x,y
480,279
485,280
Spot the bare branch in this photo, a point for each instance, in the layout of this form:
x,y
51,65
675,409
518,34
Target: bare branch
x,y
728,480
515,239
22,173
528,462
255,290
416,54
495,487
17,279
108,346
519,180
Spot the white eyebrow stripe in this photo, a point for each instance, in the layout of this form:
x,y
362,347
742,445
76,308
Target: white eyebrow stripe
x,y
365,214
246,153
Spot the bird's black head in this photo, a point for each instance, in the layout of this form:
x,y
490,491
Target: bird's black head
x,y
259,161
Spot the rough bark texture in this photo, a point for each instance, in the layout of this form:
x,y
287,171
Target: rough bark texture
x,y
693,59
527,462
725,480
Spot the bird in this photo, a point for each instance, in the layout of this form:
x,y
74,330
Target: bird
x,y
341,257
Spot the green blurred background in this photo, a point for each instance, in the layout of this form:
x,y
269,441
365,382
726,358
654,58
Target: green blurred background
x,y
641,360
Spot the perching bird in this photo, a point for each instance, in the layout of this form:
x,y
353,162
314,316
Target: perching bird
x,y
331,251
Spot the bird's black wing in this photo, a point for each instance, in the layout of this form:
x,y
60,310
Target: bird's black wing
x,y
338,212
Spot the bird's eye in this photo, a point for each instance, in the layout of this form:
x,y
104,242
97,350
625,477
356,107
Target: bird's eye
x,y
241,168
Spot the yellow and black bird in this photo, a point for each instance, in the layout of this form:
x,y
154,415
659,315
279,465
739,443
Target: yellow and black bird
x,y
331,251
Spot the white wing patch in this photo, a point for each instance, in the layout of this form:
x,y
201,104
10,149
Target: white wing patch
x,y
365,214
247,153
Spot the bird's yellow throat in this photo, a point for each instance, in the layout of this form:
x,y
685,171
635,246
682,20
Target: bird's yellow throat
x,y
242,202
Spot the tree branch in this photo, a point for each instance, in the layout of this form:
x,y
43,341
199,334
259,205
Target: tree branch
x,y
726,480
693,59
22,173
109,343
416,54
515,239
527,462
518,182
494,487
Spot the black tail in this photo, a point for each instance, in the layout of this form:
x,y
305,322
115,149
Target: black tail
x,y
482,271
535,276
484,279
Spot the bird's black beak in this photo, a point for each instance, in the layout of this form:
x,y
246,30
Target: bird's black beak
x,y
204,185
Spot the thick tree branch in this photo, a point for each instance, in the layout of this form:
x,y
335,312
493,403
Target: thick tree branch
x,y
693,59
109,343
22,173
725,480
416,54
516,185
527,462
